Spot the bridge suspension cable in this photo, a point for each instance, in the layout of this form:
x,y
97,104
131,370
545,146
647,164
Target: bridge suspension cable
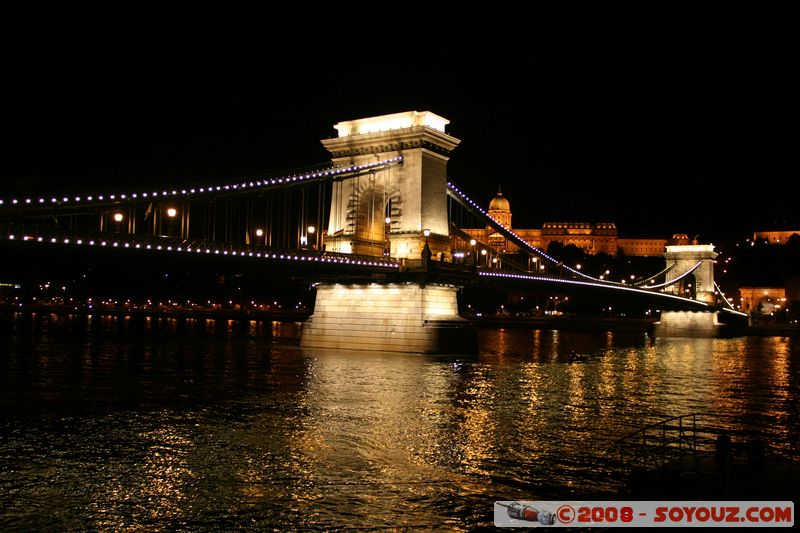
x,y
600,284
654,276
674,280
333,173
456,194
719,291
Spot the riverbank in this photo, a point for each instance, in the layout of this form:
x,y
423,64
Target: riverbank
x,y
277,315
564,323
568,323
633,325
707,477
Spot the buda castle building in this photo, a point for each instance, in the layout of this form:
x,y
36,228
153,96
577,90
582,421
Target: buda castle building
x,y
591,238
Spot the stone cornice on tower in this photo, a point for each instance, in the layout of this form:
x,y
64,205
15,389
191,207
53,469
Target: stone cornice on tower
x,y
392,141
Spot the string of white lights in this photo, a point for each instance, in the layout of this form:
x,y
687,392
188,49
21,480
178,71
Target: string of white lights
x,y
719,291
591,284
193,249
733,312
654,276
519,241
674,280
86,199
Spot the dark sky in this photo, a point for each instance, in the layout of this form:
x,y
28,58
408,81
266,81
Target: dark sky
x,y
653,133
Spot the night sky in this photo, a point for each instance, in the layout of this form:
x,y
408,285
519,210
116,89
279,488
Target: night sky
x,y
648,133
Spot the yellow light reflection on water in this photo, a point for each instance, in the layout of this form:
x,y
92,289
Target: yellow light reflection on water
x,y
385,424
155,489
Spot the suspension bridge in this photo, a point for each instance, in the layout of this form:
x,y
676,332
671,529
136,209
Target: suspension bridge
x,y
379,228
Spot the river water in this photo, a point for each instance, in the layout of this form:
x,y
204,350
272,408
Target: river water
x,y
113,425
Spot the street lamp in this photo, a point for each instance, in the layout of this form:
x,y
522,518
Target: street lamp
x,y
311,240
472,243
171,213
387,231
426,250
118,217
259,232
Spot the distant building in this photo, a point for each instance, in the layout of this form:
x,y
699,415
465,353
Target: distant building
x,y
592,238
776,237
763,300
641,246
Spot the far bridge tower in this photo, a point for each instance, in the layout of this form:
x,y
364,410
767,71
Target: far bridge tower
x,y
698,285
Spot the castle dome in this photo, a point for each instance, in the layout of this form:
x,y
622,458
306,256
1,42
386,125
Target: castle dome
x,y
499,203
679,239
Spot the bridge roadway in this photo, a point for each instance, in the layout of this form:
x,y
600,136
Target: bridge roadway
x,y
323,266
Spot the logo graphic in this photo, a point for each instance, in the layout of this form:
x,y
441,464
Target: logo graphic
x,y
518,511
706,513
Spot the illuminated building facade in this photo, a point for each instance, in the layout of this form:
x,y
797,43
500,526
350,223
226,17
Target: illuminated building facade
x,y
776,237
764,300
642,247
592,238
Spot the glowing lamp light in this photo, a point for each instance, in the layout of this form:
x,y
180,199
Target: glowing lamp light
x,y
259,232
311,230
483,252
388,220
118,217
426,232
171,212
473,242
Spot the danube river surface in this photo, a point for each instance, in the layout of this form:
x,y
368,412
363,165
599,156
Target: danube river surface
x,y
109,424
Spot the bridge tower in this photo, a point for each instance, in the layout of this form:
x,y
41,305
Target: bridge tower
x,y
699,285
388,211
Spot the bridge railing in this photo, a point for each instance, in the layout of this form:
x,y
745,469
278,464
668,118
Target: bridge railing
x,y
659,443
38,234
689,437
